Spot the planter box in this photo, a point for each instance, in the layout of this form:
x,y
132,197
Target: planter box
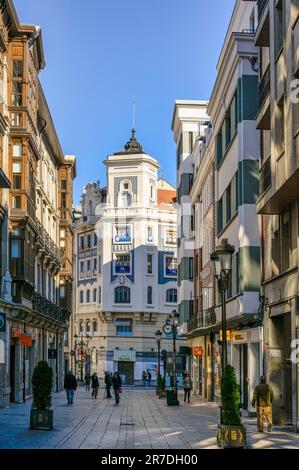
x,y
41,419
231,437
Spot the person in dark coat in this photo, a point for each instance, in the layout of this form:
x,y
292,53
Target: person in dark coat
x,y
187,387
87,380
262,399
94,385
108,383
116,382
70,385
149,378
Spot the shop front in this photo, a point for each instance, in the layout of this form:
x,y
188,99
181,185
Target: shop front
x,y
124,364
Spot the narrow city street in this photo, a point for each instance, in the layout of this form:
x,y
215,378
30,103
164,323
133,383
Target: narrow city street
x,y
140,421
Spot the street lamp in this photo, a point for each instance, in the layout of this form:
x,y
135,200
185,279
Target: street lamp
x,y
158,336
171,326
222,267
81,345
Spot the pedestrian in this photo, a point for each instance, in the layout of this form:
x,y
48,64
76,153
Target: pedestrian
x,y
187,386
116,382
108,383
94,385
87,380
70,385
144,378
263,398
149,378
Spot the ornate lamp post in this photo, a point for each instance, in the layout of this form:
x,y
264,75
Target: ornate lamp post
x,y
171,326
222,267
81,344
158,336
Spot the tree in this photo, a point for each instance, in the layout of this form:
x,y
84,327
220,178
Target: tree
x,y
230,395
42,379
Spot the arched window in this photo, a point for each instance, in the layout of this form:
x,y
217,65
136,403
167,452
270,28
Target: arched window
x,y
88,296
95,326
122,295
81,297
172,296
94,295
87,327
125,194
149,295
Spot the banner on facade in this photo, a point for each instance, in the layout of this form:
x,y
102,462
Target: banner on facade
x,y
198,352
26,340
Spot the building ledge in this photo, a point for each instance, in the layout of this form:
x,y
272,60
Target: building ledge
x,y
276,202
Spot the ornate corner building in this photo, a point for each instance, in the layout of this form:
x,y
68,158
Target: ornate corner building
x,y
36,235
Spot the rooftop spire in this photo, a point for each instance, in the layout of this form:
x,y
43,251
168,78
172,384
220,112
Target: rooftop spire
x,y
133,146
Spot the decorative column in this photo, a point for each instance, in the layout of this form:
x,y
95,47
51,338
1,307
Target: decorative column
x,y
6,277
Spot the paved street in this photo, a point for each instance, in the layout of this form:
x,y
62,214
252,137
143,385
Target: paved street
x,y
140,421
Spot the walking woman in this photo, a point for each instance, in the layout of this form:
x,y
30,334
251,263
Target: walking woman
x,y
187,387
94,385
116,382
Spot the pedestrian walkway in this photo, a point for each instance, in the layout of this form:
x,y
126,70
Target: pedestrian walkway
x,y
140,421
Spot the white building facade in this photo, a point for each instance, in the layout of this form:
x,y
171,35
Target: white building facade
x,y
131,283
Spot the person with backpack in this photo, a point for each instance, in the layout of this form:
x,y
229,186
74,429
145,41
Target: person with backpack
x,y
263,398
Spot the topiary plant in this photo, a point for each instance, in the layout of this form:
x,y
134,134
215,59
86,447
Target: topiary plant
x,y
230,396
42,379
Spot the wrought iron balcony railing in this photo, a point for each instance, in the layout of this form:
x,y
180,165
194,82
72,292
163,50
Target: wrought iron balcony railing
x,y
45,242
46,307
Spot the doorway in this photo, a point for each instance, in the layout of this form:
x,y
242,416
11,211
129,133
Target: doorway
x,y
126,372
280,368
12,373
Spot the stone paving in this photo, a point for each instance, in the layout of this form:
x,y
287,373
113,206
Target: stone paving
x,y
140,421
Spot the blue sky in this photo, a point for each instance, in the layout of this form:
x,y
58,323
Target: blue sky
x,y
102,55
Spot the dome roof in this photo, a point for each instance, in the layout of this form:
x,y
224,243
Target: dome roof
x,y
132,146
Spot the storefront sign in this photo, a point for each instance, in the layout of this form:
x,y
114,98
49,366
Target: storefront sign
x,y
275,352
240,336
26,341
228,335
2,322
16,333
198,352
124,356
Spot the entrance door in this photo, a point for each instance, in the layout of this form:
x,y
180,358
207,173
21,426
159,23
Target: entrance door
x,y
12,373
126,372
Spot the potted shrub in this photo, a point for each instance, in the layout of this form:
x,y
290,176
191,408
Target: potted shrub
x,y
231,432
41,416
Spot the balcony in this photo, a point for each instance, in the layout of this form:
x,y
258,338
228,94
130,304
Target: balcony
x,y
262,37
209,317
44,306
265,176
263,117
195,322
45,245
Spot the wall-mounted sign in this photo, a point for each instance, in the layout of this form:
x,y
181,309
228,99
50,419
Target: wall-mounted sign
x,y
2,322
26,340
240,336
16,333
124,356
228,335
198,352
273,352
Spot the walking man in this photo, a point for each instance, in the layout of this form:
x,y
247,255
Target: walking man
x,y
149,378
144,377
108,383
87,379
116,382
263,398
70,385
94,385
187,387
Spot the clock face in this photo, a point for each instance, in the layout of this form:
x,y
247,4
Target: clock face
x,y
167,329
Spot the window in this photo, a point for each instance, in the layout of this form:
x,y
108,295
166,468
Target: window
x,y
81,297
90,208
122,263
100,264
87,327
124,327
170,237
95,327
81,327
16,119
228,204
125,195
81,266
88,265
94,264
88,296
89,241
171,296
170,266
17,69
16,202
149,264
82,243
100,295
149,238
149,295
63,200
17,149
17,94
95,239
122,295
122,234
63,185
94,295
